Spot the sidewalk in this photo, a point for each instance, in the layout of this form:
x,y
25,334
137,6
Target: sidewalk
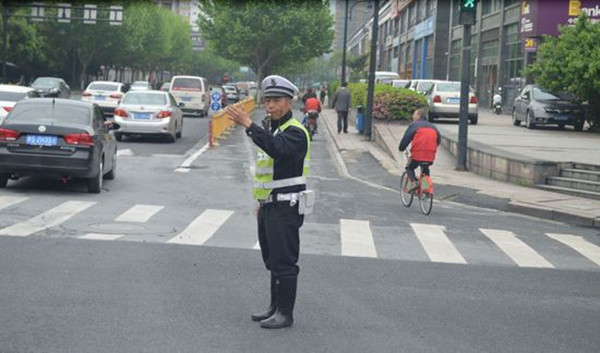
x,y
522,200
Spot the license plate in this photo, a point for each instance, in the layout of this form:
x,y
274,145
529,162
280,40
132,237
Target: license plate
x,y
142,116
41,140
186,99
100,98
454,100
562,118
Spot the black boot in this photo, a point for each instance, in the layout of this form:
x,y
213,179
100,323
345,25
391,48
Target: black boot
x,y
286,298
271,310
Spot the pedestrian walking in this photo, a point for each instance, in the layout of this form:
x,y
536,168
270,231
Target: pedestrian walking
x,y
280,189
322,94
341,103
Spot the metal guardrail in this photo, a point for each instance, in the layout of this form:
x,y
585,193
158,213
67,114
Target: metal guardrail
x,y
220,125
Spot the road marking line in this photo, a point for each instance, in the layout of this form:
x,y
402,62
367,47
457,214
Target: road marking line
x,y
98,236
522,254
436,244
202,228
185,166
139,213
7,201
256,246
579,244
124,153
357,239
48,219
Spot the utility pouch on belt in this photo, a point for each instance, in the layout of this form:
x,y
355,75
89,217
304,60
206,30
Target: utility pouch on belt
x,y
306,202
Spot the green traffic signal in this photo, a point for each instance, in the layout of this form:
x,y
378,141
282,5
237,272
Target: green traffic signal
x,y
468,5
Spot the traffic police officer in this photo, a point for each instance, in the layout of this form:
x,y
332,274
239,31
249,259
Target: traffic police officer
x,y
280,175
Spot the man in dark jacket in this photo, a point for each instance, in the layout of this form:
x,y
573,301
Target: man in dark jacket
x,y
425,139
341,103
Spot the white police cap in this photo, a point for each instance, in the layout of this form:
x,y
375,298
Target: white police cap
x,y
277,86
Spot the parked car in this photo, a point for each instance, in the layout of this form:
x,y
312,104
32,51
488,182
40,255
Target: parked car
x,y
57,137
141,86
51,87
232,93
421,86
401,83
386,76
106,94
11,94
149,113
443,100
538,106
165,87
193,92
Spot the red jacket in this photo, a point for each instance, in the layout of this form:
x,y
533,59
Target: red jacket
x,y
312,104
425,139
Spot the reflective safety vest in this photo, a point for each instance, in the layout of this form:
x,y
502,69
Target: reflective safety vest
x,y
263,173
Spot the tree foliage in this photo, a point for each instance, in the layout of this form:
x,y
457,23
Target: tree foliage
x,y
267,35
571,63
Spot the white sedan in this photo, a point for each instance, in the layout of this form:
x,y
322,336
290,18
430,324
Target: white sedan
x,y
104,93
149,113
10,95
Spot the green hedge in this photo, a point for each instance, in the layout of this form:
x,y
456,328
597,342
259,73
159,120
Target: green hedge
x,y
390,103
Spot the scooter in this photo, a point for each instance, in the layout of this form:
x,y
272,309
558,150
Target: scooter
x,y
498,108
310,122
497,102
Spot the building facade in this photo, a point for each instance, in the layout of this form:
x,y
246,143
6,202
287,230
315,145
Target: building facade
x,y
190,10
358,13
423,39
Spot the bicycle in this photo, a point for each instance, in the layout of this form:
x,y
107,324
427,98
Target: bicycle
x,y
424,190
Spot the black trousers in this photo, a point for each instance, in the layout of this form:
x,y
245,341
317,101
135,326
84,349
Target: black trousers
x,y
410,169
279,237
342,119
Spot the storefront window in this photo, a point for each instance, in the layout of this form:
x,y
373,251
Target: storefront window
x,y
412,15
489,49
418,48
430,52
455,60
490,6
514,63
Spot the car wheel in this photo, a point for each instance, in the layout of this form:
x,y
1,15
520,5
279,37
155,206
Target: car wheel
x,y
516,122
118,136
113,172
474,120
171,137
94,184
530,123
180,132
3,180
561,126
579,126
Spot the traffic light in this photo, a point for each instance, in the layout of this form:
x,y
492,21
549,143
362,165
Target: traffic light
x,y
467,12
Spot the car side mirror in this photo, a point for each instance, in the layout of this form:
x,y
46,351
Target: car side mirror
x,y
181,104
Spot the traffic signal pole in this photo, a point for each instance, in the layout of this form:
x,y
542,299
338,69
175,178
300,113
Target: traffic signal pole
x,y
463,122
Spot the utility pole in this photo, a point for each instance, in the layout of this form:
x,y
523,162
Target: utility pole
x,y
5,16
345,42
467,15
372,68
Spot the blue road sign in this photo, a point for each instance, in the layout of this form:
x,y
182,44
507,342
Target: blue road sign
x,y
215,106
216,96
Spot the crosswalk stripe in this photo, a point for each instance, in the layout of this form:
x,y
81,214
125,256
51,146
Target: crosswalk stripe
x,y
202,228
98,236
579,244
357,239
124,153
436,244
139,213
50,218
522,254
7,201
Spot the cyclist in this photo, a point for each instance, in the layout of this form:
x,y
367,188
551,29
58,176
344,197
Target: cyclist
x,y
425,139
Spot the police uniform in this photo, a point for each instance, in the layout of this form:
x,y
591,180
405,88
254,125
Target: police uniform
x,y
280,175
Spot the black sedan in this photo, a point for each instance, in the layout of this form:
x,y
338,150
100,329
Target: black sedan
x,y
538,106
57,137
51,87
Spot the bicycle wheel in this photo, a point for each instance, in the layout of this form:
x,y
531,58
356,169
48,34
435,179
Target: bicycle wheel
x,y
426,197
407,197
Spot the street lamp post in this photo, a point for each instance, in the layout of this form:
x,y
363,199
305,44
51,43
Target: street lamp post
x,y
372,67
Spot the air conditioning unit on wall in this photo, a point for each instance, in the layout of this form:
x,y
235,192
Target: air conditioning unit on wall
x,y
388,41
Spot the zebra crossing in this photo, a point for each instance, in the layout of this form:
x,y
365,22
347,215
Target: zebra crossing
x,y
347,237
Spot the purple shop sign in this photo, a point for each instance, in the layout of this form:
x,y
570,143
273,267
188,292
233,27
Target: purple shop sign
x,y
540,17
530,45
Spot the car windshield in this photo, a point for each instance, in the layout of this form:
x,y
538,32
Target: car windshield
x,y
103,87
448,87
424,86
229,88
45,82
12,96
145,98
541,94
140,84
187,83
44,113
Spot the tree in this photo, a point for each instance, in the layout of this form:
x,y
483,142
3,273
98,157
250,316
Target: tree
x,y
267,35
571,63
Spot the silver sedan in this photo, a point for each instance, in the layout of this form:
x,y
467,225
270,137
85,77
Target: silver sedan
x,y
149,113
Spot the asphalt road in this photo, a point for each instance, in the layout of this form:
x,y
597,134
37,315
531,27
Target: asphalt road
x,y
165,260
